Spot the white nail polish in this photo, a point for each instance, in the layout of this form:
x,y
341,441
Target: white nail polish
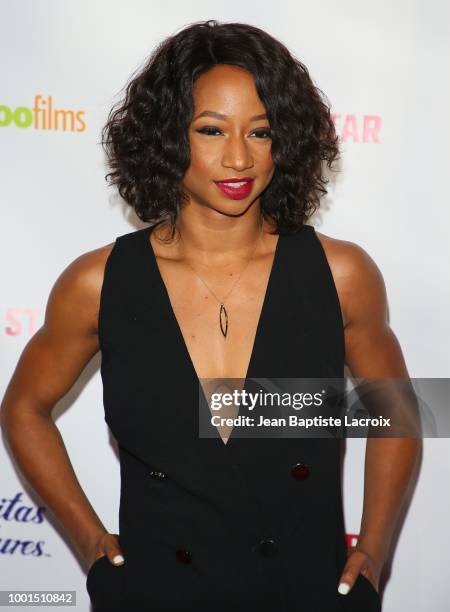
x,y
343,588
118,559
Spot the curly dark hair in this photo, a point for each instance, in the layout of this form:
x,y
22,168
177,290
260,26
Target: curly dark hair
x,y
146,134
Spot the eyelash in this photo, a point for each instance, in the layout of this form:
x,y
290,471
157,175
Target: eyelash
x,y
207,132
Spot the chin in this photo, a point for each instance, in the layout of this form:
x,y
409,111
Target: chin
x,y
233,209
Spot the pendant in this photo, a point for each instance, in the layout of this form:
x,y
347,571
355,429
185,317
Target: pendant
x,y
223,320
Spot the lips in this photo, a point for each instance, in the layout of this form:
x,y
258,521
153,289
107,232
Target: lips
x,y
236,188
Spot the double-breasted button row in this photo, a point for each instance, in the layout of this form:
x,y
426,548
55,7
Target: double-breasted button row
x,y
158,474
267,547
300,471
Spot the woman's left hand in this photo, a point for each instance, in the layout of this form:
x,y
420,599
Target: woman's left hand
x,y
358,562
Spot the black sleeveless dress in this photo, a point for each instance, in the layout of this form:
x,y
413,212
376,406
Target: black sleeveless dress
x,y
254,524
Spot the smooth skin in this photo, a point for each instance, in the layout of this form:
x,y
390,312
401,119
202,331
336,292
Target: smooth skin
x,y
218,236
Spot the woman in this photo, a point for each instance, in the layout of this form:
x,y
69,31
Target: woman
x,y
218,144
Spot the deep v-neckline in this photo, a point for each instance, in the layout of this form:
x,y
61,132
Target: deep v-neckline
x,y
176,325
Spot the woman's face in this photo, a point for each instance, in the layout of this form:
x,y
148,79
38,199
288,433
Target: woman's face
x,y
234,145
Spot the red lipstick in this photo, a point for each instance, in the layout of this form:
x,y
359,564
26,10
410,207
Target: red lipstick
x,y
241,191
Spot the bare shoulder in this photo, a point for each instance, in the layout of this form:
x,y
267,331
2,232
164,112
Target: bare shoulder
x,y
77,290
55,355
89,266
345,257
358,279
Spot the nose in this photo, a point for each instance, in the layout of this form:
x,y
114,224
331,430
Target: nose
x,y
237,153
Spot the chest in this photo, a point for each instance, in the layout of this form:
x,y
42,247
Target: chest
x,y
217,315
283,316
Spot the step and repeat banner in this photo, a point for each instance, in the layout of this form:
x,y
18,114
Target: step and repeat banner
x,y
384,69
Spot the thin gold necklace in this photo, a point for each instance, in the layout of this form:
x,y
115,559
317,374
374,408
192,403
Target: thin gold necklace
x,y
223,314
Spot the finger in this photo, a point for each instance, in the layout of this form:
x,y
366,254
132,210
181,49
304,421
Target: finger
x,y
118,559
348,579
115,555
112,549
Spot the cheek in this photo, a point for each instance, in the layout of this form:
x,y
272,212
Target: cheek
x,y
203,159
267,170
263,157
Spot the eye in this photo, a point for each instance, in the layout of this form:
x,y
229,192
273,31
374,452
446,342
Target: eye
x,y
263,133
210,131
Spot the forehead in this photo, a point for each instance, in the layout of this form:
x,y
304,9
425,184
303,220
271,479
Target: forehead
x,y
226,88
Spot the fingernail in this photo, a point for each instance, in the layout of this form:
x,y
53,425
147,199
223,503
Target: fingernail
x,y
343,588
118,559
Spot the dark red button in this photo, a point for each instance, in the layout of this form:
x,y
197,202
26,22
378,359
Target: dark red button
x,y
184,556
300,471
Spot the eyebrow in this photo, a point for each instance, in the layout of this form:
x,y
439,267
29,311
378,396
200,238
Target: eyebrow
x,y
220,116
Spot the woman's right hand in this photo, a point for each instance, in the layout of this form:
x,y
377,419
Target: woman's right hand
x,y
108,545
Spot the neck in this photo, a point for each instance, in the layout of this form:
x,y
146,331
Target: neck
x,y
218,240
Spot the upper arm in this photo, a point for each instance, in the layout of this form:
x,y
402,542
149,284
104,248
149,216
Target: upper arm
x,y
55,356
371,347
